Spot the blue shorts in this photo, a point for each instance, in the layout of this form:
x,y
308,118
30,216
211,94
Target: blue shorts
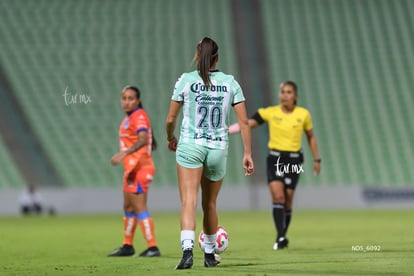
x,y
194,156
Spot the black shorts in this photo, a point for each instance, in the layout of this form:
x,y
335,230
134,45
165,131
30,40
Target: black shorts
x,y
284,166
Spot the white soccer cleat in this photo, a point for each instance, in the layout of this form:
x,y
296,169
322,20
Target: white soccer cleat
x,y
280,244
217,257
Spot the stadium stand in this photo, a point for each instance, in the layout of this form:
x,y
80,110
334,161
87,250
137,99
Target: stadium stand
x,y
352,60
93,49
10,176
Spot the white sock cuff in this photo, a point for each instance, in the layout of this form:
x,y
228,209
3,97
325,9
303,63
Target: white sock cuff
x,y
187,235
187,239
209,243
210,238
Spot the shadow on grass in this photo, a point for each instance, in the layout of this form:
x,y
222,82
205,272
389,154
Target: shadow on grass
x,y
240,264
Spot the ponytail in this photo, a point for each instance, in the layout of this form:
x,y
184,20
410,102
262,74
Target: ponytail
x,y
138,94
206,56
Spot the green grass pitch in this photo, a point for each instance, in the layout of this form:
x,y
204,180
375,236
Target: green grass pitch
x,y
358,242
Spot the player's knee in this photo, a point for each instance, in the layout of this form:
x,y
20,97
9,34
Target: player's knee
x,y
128,208
208,206
189,203
279,198
289,200
289,203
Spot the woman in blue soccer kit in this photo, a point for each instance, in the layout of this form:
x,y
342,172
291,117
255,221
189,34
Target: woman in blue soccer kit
x,y
206,96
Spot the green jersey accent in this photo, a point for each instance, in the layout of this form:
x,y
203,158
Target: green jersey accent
x,y
206,111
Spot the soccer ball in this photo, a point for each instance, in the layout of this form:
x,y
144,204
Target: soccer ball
x,y
222,241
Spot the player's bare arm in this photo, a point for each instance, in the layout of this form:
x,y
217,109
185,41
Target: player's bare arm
x,y
314,148
170,124
235,128
243,122
142,141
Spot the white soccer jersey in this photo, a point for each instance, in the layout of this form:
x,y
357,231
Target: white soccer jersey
x,y
206,111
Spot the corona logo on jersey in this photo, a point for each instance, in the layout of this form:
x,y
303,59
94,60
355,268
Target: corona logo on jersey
x,y
199,87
